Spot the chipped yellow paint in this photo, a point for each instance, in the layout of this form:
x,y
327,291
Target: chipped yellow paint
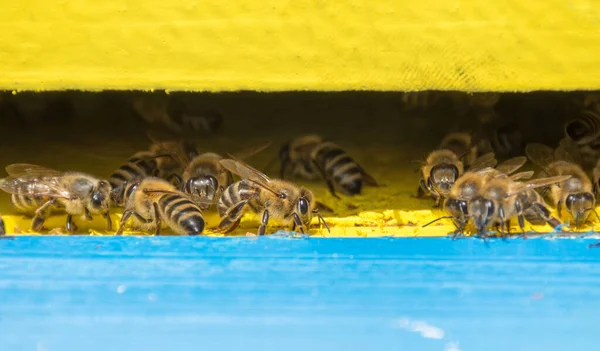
x,y
274,45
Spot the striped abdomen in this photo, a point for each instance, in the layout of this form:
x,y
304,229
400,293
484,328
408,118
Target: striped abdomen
x,y
136,168
340,168
27,203
181,214
236,193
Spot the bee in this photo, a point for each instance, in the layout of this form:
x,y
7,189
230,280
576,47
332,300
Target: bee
x,y
441,170
273,198
311,155
576,192
470,184
501,199
38,190
153,201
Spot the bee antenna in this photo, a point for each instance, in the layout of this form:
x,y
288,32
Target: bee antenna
x,y
437,219
321,219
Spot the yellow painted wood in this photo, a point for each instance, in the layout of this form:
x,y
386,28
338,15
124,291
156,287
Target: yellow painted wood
x,y
273,45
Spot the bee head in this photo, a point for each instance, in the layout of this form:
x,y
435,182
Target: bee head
x,y
100,197
481,210
442,177
579,206
204,187
456,208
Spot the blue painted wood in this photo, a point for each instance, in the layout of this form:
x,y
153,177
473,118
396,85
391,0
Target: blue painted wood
x,y
274,293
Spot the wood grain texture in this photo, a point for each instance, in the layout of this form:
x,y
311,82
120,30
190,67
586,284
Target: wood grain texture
x,y
274,45
273,293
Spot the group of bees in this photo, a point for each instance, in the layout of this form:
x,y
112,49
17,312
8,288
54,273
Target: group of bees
x,y
475,188
171,184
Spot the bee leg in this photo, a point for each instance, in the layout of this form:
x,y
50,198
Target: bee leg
x,y
40,215
545,214
298,222
520,217
88,215
559,209
108,221
263,224
2,228
71,227
502,221
327,179
438,201
126,215
232,217
157,218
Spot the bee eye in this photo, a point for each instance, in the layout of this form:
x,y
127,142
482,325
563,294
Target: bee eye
x,y
569,201
303,206
463,207
490,207
97,198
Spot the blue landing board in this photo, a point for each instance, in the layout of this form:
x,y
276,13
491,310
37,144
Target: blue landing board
x,y
281,293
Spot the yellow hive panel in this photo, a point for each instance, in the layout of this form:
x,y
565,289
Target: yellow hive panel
x,y
275,45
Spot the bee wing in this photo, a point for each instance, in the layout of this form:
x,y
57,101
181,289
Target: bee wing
x,y
483,161
20,169
250,151
539,183
521,175
511,165
34,185
540,154
245,171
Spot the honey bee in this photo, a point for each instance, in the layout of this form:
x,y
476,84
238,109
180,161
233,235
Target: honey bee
x,y
153,201
470,184
441,170
311,155
37,190
273,198
501,199
576,192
